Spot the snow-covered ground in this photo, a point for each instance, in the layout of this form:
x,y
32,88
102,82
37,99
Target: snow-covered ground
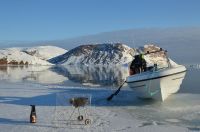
x,y
125,113
15,112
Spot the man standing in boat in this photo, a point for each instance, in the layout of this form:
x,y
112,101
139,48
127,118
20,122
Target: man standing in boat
x,y
138,65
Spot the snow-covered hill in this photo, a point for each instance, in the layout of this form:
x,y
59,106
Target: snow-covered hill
x,y
159,58
29,56
45,52
110,54
99,54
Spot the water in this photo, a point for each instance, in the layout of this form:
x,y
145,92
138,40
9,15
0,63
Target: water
x,y
65,75
181,109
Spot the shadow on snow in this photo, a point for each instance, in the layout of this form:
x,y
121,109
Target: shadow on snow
x,y
98,98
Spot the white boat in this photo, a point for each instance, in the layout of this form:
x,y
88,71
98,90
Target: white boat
x,y
157,83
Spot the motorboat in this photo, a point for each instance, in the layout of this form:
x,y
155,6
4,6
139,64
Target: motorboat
x,y
157,83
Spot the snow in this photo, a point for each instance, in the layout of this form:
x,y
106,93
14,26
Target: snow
x,y
106,54
33,55
45,52
121,114
100,54
17,55
125,113
111,54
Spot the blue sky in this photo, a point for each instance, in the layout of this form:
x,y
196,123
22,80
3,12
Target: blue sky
x,y
35,20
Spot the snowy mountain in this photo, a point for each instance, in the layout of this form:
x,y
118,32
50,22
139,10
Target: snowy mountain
x,y
44,52
159,58
99,54
29,56
175,39
110,54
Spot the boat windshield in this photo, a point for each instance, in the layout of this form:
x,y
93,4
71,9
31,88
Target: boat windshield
x,y
155,68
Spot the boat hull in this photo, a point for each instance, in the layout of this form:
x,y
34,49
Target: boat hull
x,y
158,84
